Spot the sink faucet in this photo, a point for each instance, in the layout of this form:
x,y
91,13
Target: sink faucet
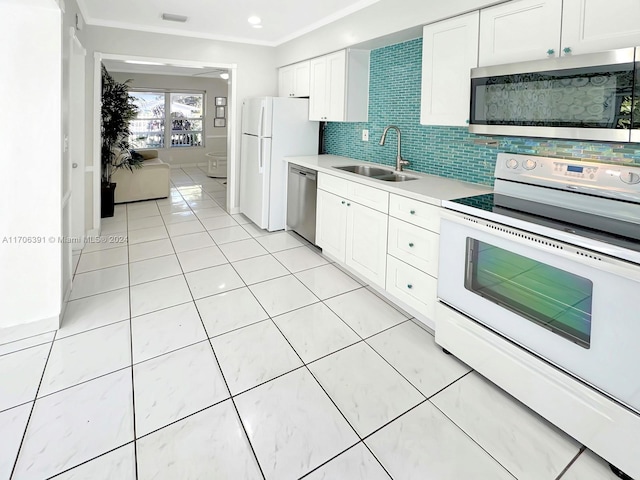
x,y
400,162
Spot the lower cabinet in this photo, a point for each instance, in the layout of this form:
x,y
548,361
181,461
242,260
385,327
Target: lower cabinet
x,y
412,286
354,234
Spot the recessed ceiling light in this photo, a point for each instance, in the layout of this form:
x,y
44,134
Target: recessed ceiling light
x,y
224,76
256,26
140,62
170,17
254,20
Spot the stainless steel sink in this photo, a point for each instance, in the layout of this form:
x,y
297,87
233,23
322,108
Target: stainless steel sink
x,y
396,177
366,170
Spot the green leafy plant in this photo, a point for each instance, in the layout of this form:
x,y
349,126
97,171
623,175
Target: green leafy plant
x,y
117,110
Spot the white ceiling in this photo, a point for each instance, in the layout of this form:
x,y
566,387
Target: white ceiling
x,y
282,20
122,66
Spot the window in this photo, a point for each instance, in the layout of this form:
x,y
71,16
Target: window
x,y
157,111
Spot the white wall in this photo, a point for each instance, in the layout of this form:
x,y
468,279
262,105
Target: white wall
x,y
384,18
255,74
215,138
30,148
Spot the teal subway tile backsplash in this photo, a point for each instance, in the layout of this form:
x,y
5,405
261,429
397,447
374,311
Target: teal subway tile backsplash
x,y
453,152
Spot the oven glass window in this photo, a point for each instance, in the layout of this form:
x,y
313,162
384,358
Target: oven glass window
x,y
555,299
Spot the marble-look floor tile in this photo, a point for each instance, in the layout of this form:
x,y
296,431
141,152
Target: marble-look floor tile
x,y
13,423
194,241
112,228
106,241
210,444
357,463
154,269
255,231
522,441
293,426
142,210
235,251
327,281
241,219
173,208
315,331
175,385
76,425
120,464
282,295
213,280
280,241
146,250
365,388
86,356
230,310
165,330
151,296
200,259
21,388
259,269
146,222
99,281
95,311
229,234
184,228
414,353
102,259
147,234
424,443
253,355
589,466
28,342
209,212
179,217
365,312
299,258
223,221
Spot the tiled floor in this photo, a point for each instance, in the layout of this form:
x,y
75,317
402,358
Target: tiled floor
x,y
205,347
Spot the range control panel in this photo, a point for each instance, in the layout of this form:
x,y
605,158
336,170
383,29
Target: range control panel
x,y
603,179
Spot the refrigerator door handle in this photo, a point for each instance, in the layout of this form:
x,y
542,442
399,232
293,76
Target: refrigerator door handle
x,y
261,121
260,157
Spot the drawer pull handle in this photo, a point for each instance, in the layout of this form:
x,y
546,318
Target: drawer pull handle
x,y
348,204
412,212
411,244
343,202
409,286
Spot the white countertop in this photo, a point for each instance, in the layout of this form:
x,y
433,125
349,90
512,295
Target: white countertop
x,y
427,188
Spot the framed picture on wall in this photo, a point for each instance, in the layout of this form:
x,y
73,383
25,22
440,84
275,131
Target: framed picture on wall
x,y
221,101
220,112
219,122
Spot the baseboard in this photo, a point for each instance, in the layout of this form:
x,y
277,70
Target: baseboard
x,y
183,165
25,330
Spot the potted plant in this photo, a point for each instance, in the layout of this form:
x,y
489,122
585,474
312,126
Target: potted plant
x,y
117,110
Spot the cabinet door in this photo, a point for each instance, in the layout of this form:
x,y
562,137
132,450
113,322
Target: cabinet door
x,y
598,25
301,79
285,81
331,224
366,250
520,30
449,52
318,89
336,82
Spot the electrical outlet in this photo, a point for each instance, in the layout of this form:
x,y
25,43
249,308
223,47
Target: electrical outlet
x,y
365,135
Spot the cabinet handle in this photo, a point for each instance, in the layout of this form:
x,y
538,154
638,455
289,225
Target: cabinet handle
x,y
551,51
412,212
343,202
411,244
348,204
566,50
409,286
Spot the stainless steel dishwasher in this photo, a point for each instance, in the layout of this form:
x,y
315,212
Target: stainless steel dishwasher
x,y
301,201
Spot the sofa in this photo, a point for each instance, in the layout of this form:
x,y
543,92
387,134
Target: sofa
x,y
146,183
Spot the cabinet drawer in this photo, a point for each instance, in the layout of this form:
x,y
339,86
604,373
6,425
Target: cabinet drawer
x,y
410,285
363,194
415,212
414,245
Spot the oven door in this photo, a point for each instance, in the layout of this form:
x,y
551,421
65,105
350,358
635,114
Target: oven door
x,y
572,307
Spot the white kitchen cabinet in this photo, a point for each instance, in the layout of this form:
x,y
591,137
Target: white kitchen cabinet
x,y
339,87
293,80
412,286
352,233
598,25
520,30
414,245
449,52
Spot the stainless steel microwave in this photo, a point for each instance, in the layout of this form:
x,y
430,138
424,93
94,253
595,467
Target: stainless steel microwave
x,y
585,97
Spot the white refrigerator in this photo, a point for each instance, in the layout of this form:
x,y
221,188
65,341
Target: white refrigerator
x,y
272,128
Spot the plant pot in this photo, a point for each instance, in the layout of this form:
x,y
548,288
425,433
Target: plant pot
x,y
107,205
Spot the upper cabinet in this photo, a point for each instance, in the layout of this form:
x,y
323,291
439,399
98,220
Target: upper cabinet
x,y
339,87
597,25
293,80
523,30
449,52
520,30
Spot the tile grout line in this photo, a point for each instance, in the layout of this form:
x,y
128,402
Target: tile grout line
x,y
581,450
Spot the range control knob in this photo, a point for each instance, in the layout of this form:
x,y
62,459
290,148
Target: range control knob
x,y
529,164
512,163
630,177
